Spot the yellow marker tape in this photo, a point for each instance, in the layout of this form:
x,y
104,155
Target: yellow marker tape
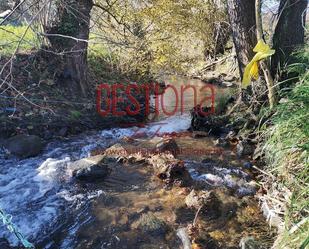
x,y
252,69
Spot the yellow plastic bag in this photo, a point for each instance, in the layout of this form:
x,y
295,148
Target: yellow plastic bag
x,y
252,69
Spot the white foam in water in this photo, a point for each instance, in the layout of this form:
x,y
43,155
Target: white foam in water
x,y
232,178
117,133
171,124
37,191
26,193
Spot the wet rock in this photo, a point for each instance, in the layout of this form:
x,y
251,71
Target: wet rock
x,y
203,119
193,200
168,145
249,243
207,201
245,148
63,131
47,134
170,170
116,151
248,189
24,146
149,223
89,169
248,165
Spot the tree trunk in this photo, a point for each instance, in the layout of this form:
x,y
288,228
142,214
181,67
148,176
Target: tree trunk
x,y
289,32
242,20
70,34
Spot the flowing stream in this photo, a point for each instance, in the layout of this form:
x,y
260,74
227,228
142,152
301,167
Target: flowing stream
x,y
54,211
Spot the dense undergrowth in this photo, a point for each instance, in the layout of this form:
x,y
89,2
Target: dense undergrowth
x,y
287,154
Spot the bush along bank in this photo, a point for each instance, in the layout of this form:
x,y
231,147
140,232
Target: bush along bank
x,y
286,152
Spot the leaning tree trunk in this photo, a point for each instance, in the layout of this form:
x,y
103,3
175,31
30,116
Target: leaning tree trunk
x,y
69,34
289,32
242,20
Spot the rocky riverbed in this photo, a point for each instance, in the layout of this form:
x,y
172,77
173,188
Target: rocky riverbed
x,y
119,190
168,184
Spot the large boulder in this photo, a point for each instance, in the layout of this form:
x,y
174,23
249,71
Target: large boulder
x,y
90,169
24,146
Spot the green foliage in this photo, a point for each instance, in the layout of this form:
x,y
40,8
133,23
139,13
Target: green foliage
x,y
222,102
160,35
10,37
287,151
103,65
75,115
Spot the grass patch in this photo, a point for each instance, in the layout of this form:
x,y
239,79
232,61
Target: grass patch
x,y
287,153
10,37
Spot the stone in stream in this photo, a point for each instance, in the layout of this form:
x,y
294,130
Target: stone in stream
x,y
207,201
168,145
203,119
149,223
170,170
91,168
245,148
116,152
24,146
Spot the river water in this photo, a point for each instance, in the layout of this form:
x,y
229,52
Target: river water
x,y
54,211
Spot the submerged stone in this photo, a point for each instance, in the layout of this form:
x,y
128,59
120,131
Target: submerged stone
x,y
206,201
149,223
170,170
